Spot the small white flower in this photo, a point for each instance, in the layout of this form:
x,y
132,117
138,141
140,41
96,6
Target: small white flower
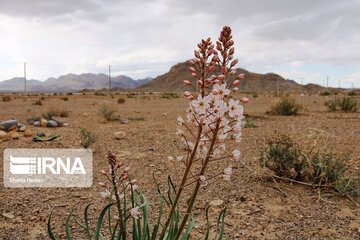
x,y
134,212
105,193
226,177
228,170
236,154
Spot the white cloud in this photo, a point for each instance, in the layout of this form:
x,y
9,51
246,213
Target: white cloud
x,y
144,38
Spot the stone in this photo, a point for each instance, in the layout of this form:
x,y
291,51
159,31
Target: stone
x,y
40,134
8,125
216,202
85,114
123,121
30,121
52,123
21,127
2,134
8,215
37,124
43,122
28,133
164,114
119,135
65,125
59,121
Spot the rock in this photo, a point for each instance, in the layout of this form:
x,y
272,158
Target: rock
x,y
8,125
40,134
8,215
123,121
43,122
164,114
59,121
216,202
30,121
52,123
21,127
119,135
28,133
2,134
85,114
37,124
65,125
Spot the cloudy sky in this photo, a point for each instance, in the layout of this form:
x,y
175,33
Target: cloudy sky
x,y
305,40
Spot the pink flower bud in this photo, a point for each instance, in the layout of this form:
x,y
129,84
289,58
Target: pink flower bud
x,y
235,89
197,54
193,74
244,100
103,172
216,81
200,83
187,82
221,77
116,218
134,181
187,94
102,184
126,169
125,177
240,76
215,92
191,69
236,82
233,63
191,97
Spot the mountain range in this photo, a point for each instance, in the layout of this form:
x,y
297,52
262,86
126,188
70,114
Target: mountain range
x,y
168,82
72,82
252,82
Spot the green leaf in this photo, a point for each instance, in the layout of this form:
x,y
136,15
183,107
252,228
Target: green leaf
x,y
188,230
50,232
100,220
67,225
156,227
86,219
221,219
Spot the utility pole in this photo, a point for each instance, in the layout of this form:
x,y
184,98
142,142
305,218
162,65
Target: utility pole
x,y
25,77
109,77
327,81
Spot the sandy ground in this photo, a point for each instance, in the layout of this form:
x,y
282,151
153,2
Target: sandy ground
x,y
257,209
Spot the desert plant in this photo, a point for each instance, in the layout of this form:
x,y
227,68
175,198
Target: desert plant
x,y
50,113
169,95
6,98
86,138
331,104
37,103
352,93
255,95
347,104
69,94
63,113
220,116
286,105
287,159
344,104
64,98
108,112
121,100
326,93
250,124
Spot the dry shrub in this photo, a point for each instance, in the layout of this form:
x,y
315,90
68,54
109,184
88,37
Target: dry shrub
x,y
121,100
6,98
286,158
108,112
344,104
285,106
87,138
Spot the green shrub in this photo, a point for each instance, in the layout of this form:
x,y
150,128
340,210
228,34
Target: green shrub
x,y
285,106
64,113
65,98
108,113
86,138
352,93
170,95
287,159
326,93
255,95
250,124
344,104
